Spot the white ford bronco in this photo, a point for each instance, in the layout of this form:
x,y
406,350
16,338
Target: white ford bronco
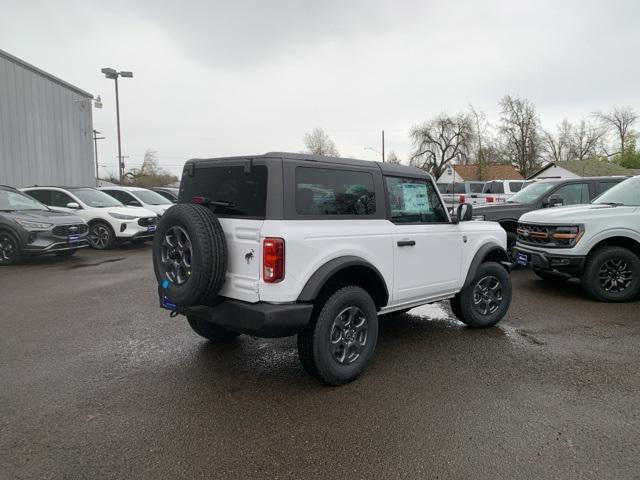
x,y
282,244
598,243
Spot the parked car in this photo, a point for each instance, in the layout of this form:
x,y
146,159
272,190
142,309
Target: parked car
x,y
170,193
283,244
109,220
543,194
497,191
29,228
139,197
455,194
598,243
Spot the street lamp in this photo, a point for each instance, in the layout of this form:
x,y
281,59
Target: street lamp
x,y
113,74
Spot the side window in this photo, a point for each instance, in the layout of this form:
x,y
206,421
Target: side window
x,y
60,199
477,187
573,194
414,201
321,191
43,196
494,187
515,186
604,186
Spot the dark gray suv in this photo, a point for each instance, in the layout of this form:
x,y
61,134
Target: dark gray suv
x,y
29,228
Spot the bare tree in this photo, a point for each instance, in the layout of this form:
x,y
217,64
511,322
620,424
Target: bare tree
x,y
480,134
150,174
441,140
585,140
319,143
519,128
556,147
392,157
620,121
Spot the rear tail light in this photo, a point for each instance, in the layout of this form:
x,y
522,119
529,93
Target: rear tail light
x,y
461,199
489,199
272,260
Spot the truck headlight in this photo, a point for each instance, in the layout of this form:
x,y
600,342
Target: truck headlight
x,y
567,235
120,216
29,225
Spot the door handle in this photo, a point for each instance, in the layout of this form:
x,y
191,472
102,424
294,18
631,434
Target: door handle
x,y
406,243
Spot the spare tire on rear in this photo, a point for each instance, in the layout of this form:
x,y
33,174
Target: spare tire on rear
x,y
190,255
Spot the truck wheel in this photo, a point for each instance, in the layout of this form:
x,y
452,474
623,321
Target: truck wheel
x,y
486,300
210,331
336,348
9,249
101,236
549,277
190,255
612,274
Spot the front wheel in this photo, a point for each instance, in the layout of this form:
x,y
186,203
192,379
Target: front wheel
x,y
338,345
485,301
9,249
612,274
101,236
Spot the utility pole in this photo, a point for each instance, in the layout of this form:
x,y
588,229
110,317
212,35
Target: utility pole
x,y
95,146
113,74
382,146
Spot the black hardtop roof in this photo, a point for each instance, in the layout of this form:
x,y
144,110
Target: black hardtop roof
x,y
386,168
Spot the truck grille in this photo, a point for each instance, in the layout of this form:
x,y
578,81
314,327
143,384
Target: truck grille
x,y
534,234
65,230
147,221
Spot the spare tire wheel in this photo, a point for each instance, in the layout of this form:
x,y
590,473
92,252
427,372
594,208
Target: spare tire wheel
x,y
190,252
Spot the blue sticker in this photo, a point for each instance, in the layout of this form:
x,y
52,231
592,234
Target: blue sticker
x,y
165,284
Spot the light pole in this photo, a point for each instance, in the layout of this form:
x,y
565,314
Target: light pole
x,y
114,74
95,146
378,151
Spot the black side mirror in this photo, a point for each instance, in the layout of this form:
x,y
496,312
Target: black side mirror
x,y
554,201
465,212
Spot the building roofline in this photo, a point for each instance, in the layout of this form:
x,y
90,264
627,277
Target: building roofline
x,y
44,74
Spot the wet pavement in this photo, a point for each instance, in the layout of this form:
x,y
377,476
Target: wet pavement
x,y
97,382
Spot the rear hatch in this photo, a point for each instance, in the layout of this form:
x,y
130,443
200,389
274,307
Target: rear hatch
x,y
236,192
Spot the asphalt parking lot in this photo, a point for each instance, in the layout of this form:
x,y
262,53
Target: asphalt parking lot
x,y
97,382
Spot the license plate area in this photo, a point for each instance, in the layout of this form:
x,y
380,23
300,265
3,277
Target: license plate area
x,y
522,259
73,239
151,228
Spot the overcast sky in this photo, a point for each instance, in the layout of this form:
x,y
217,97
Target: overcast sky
x,y
216,78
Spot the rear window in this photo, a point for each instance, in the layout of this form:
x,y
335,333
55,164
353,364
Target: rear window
x,y
229,190
493,187
476,187
321,191
515,186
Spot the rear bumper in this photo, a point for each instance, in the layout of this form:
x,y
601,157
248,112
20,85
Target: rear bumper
x,y
268,320
568,265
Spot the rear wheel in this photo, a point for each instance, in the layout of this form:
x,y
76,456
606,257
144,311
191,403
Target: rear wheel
x,y
210,331
101,236
485,301
338,345
9,249
612,274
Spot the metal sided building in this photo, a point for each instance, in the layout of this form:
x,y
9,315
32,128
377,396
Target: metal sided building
x,y
46,128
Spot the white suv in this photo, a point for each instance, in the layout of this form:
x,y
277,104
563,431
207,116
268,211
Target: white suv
x,y
284,244
139,197
109,220
598,243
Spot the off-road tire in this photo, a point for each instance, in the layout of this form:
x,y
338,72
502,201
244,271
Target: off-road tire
x,y
549,277
210,331
11,242
105,243
208,262
314,344
464,307
66,253
591,274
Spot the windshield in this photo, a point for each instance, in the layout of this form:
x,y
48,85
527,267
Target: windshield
x,y
11,201
95,198
151,198
532,192
625,193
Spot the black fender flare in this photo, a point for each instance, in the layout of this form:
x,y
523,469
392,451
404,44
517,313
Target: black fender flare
x,y
480,256
315,283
